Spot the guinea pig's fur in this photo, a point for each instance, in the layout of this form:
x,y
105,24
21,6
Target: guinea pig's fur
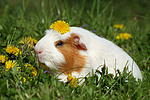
x,y
79,51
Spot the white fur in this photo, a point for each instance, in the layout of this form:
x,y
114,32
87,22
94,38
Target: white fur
x,y
98,50
50,55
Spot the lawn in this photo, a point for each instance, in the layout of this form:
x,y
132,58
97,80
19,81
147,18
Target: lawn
x,y
23,22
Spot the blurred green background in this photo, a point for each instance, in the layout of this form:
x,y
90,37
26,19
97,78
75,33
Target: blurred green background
x,y
122,9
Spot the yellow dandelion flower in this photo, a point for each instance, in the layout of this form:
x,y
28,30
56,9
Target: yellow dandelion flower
x,y
27,65
9,49
18,68
61,26
16,51
24,79
29,41
9,64
74,81
3,58
34,41
12,50
34,72
123,35
119,26
69,78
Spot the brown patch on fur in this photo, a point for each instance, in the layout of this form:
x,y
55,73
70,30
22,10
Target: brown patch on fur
x,y
74,60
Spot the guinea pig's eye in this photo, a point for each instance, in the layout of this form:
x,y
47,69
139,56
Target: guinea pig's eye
x,y
59,44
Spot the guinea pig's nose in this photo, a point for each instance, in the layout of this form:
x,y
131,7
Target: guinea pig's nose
x,y
39,52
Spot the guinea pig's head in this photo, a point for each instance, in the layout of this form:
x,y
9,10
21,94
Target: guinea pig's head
x,y
61,53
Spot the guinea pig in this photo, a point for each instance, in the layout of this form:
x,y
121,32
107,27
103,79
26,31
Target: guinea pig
x,y
79,52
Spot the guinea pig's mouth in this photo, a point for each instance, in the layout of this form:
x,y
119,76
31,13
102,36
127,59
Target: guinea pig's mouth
x,y
38,59
43,66
41,59
42,63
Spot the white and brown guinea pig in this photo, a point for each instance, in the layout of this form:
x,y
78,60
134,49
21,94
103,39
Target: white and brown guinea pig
x,y
79,51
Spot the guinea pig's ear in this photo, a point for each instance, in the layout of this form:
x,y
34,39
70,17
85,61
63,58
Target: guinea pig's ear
x,y
79,45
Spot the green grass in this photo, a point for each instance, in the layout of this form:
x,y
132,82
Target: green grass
x,y
19,19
